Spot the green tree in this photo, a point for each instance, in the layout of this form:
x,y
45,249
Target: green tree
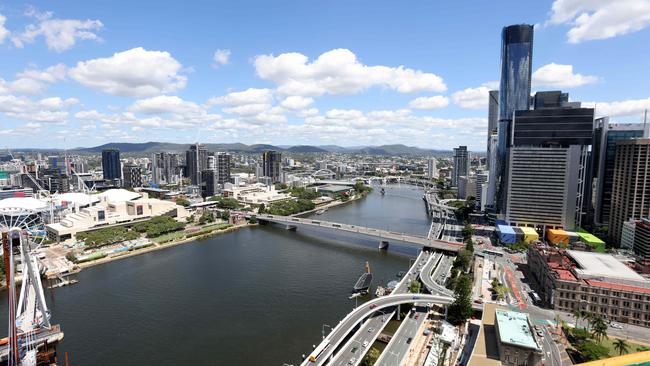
x,y
463,260
225,215
182,202
190,219
592,351
577,313
415,287
461,309
599,328
253,219
261,209
467,231
371,357
621,346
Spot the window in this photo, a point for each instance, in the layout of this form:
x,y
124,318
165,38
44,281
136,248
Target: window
x,y
101,215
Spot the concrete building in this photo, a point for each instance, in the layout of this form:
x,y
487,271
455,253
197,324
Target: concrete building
x,y
482,186
631,189
132,176
432,170
627,234
111,166
209,184
165,168
466,186
222,167
515,339
254,194
196,161
461,164
115,207
641,246
594,282
606,135
271,165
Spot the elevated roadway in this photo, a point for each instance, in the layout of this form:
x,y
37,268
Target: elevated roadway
x,y
356,317
434,273
384,236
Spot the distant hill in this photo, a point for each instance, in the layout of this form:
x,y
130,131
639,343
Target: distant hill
x,y
151,147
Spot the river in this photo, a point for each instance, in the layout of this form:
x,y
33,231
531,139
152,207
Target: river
x,y
257,296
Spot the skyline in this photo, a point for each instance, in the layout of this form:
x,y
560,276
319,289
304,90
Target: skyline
x,y
83,71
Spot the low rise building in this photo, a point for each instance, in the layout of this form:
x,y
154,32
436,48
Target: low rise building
x,y
595,282
256,194
515,339
115,207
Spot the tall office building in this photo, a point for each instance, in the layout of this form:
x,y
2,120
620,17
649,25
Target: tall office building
x,y
514,94
641,245
432,170
271,165
606,135
132,174
548,163
196,160
482,183
461,165
165,168
111,165
222,167
631,189
209,183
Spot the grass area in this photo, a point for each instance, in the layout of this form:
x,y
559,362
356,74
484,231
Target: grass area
x,y
169,237
633,347
181,234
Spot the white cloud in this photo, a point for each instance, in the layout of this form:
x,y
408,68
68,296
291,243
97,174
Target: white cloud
x,y
600,19
221,57
474,98
296,102
435,102
34,81
620,108
165,104
248,96
560,76
59,34
339,72
48,110
4,32
135,72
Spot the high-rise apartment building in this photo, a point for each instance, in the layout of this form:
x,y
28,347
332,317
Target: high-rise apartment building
x,y
196,160
132,174
492,139
641,246
606,135
165,168
432,170
111,165
461,164
482,183
631,189
271,165
514,94
222,167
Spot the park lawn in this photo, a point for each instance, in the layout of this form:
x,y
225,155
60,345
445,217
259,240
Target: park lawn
x,y
169,237
633,347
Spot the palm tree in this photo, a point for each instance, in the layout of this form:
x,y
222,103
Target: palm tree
x,y
599,328
577,313
621,346
588,316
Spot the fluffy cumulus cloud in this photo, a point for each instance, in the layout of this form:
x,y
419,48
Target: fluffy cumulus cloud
x,y
600,19
339,72
634,107
34,81
296,102
4,32
474,98
47,110
220,58
165,104
135,72
560,76
59,34
248,96
435,102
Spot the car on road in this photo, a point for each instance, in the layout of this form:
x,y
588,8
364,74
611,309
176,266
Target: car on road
x,y
354,349
370,329
417,316
373,306
408,341
478,301
616,325
352,361
365,344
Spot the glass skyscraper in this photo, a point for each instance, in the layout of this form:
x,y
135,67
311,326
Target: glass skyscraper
x,y
514,94
111,166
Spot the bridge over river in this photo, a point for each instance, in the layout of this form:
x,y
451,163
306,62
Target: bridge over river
x,y
384,236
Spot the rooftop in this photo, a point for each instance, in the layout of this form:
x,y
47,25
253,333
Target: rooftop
x,y
598,265
514,329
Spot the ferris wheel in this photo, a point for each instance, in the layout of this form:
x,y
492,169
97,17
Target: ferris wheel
x,y
22,232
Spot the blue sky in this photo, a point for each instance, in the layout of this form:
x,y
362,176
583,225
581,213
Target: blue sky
x,y
83,73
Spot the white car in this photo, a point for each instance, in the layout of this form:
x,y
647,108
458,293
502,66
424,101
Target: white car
x,y
352,361
616,326
365,344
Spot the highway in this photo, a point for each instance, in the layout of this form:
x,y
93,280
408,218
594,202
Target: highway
x,y
371,329
416,241
435,272
398,347
356,316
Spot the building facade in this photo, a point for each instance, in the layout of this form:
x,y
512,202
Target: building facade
x,y
514,94
132,174
222,167
631,186
432,170
461,164
641,246
196,161
271,165
111,166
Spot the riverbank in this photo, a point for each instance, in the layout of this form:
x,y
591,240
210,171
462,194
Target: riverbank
x,y
157,246
329,205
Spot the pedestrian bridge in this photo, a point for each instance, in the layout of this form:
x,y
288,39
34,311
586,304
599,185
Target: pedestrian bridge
x,y
384,236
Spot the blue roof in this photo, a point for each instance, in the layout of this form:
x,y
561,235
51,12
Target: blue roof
x,y
506,229
514,329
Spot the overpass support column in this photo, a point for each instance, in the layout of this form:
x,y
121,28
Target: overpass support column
x,y
399,308
291,227
383,244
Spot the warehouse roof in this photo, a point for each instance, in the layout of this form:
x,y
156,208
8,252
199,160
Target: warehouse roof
x,y
595,265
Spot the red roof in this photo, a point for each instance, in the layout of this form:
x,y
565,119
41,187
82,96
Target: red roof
x,y
616,286
566,275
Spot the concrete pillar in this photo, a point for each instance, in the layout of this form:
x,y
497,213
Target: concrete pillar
x,y
399,308
383,244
